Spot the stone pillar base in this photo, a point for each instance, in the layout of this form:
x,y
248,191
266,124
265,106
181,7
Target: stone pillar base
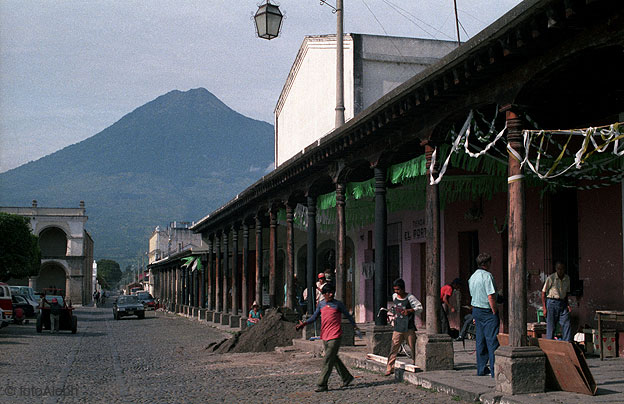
x,y
379,339
195,312
201,314
520,370
178,308
209,315
216,318
225,319
308,331
235,321
243,323
434,351
348,333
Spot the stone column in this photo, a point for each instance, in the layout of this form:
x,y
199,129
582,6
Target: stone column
x,y
200,284
341,245
311,258
272,257
379,335
519,369
226,271
210,275
235,305
290,257
380,298
218,280
245,274
259,259
435,350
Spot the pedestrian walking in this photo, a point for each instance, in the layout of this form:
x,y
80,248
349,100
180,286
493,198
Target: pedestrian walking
x,y
555,302
406,306
331,311
485,313
55,315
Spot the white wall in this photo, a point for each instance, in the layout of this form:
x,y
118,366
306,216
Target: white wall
x,y
373,66
306,108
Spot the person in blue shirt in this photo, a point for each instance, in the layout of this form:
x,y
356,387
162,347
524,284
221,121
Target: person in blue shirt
x,y
485,313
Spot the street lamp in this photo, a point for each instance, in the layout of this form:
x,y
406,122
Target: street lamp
x,y
268,20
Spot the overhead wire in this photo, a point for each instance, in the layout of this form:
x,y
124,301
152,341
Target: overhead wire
x,y
406,13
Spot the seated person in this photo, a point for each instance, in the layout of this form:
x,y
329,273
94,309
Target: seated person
x,y
255,314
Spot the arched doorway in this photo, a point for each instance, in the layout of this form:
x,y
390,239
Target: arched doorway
x,y
51,276
53,242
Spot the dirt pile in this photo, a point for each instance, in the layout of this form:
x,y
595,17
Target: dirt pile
x,y
273,330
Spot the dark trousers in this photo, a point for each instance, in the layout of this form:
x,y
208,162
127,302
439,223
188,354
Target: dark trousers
x,y
332,360
557,312
445,328
467,321
487,325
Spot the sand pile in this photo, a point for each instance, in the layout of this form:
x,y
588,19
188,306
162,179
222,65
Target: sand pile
x,y
273,330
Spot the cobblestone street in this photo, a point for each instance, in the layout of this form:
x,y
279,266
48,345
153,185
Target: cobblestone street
x,y
162,359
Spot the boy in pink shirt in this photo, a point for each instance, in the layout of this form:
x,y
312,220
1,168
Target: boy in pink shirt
x,y
331,311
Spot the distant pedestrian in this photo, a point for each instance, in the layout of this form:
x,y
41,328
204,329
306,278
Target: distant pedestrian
x,y
96,297
255,314
55,315
406,306
485,313
445,293
555,302
331,311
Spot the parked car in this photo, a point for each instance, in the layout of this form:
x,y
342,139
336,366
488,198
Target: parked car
x,y
22,303
6,303
128,305
147,299
27,293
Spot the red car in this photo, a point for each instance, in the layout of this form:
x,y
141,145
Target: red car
x,y
6,302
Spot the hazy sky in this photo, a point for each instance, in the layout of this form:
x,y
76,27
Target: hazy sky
x,y
69,69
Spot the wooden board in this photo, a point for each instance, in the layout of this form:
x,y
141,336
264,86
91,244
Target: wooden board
x,y
566,368
397,364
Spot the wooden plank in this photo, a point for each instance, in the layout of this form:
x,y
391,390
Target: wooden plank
x,y
566,367
398,365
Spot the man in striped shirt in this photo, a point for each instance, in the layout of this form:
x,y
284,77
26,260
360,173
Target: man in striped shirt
x,y
331,311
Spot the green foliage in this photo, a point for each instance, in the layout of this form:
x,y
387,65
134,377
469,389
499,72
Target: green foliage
x,y
109,272
20,256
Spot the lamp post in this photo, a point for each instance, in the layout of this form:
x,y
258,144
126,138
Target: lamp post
x,y
268,21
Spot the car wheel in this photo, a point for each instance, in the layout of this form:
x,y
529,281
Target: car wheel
x,y
39,326
141,315
74,324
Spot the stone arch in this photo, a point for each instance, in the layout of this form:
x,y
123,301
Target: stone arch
x,y
52,275
53,242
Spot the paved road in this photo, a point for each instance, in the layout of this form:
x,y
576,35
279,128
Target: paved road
x,y
162,359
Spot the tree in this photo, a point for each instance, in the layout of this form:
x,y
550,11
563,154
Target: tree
x,y
20,256
109,272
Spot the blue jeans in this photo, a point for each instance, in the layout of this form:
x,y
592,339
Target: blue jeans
x,y
487,325
557,312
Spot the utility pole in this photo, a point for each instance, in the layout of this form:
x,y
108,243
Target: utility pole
x,y
457,22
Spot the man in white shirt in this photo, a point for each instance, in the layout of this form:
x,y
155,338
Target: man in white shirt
x,y
406,307
555,302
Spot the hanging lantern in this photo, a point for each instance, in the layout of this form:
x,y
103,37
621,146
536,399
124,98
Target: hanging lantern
x,y
268,20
